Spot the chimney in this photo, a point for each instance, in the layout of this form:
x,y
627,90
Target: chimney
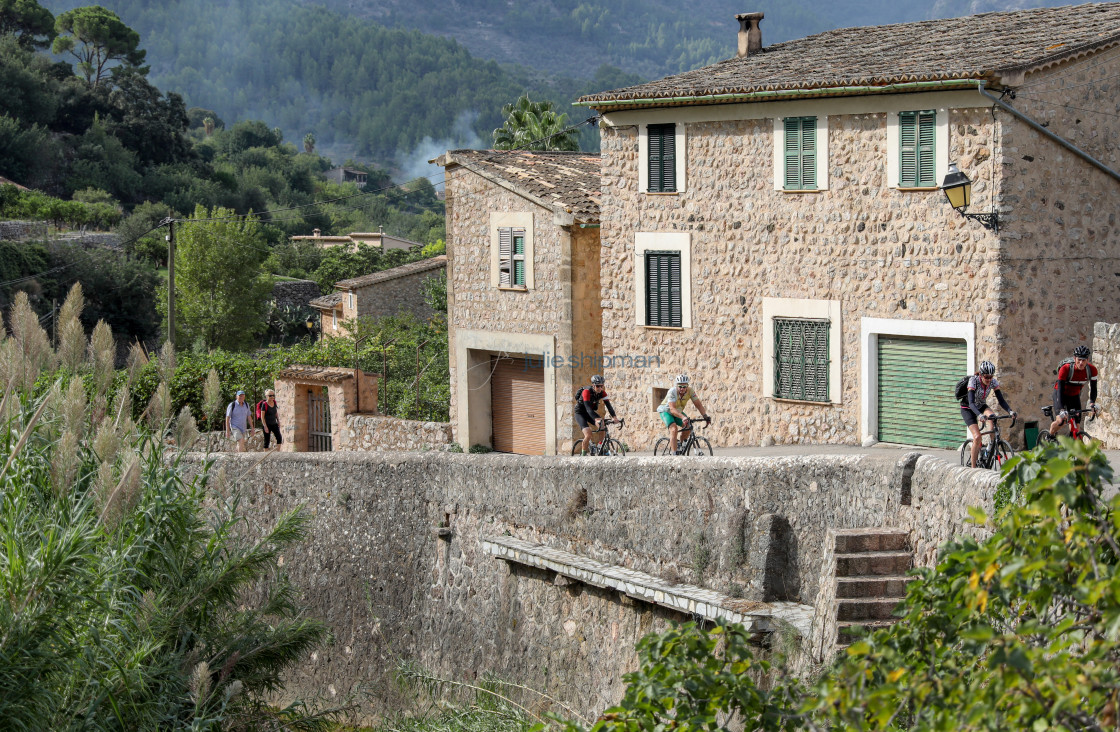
x,y
750,35
316,232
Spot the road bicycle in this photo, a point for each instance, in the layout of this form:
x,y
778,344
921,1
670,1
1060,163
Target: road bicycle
x,y
1074,422
695,445
607,445
995,452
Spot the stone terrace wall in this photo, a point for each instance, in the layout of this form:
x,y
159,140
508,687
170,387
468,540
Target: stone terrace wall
x,y
1106,357
390,586
389,434
23,230
295,293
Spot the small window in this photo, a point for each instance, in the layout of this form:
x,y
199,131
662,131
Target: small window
x,y
511,257
916,155
662,158
334,319
801,359
351,301
663,289
659,394
800,153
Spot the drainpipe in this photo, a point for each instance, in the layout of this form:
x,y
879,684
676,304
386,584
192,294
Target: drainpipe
x,y
1047,133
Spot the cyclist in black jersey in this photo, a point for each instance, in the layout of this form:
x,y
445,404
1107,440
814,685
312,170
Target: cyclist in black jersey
x,y
587,409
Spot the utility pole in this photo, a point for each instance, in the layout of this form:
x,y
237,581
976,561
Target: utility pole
x,y
170,280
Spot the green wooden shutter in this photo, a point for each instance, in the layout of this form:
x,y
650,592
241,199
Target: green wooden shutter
x,y
927,126
800,149
505,256
519,257
663,289
662,158
917,377
916,158
801,363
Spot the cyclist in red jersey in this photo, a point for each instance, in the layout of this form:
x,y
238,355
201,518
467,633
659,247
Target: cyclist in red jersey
x,y
1072,378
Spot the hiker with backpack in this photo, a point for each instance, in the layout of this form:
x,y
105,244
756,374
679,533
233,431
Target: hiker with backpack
x,y
268,414
587,408
239,417
972,393
1073,374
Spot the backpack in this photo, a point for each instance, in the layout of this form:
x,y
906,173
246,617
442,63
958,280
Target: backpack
x,y
1063,363
260,407
579,394
961,389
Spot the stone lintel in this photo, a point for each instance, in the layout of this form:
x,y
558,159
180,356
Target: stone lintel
x,y
632,585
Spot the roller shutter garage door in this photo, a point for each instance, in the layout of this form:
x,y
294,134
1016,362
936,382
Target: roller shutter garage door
x,y
916,381
517,406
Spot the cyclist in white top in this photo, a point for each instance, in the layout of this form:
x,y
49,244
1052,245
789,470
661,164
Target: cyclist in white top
x,y
672,410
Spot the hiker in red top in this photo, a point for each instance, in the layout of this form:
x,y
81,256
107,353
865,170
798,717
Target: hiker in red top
x,y
1072,377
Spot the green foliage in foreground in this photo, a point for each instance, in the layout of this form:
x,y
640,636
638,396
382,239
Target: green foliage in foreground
x,y
1018,631
17,204
130,597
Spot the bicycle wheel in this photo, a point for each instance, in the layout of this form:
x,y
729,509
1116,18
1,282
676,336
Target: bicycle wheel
x,y
1045,439
1002,455
966,453
1087,438
661,447
577,447
700,447
613,447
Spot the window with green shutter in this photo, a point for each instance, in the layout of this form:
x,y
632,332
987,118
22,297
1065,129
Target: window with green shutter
x,y
662,156
663,289
916,139
511,257
801,359
800,153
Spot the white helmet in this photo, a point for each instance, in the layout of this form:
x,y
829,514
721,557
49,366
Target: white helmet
x,y
682,378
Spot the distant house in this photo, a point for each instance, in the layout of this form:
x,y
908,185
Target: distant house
x,y
374,238
380,294
343,174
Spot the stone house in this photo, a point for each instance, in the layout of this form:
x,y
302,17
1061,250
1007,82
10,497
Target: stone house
x,y
379,294
523,294
773,225
342,174
353,239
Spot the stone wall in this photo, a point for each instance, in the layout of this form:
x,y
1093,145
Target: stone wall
x,y
395,563
881,252
295,293
1058,271
1106,357
23,230
395,296
388,434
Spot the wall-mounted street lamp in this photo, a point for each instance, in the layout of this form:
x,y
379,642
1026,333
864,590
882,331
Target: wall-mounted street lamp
x,y
958,189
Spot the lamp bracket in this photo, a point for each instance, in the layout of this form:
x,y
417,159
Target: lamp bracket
x,y
987,220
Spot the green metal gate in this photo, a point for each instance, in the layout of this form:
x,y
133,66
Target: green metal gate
x,y
916,381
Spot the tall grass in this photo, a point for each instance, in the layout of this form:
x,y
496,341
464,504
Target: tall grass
x,y
131,598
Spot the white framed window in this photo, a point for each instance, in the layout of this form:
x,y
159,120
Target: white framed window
x,y
897,121
661,158
801,153
511,250
334,319
351,301
801,349
663,299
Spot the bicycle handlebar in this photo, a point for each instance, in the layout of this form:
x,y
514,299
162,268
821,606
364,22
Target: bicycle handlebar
x,y
997,417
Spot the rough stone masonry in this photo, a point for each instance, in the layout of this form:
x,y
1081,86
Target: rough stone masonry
x,y
395,564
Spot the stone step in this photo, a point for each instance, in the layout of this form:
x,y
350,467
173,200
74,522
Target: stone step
x,y
877,608
851,541
873,563
872,587
846,629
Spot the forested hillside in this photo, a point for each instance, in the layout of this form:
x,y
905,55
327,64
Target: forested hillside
x,y
364,90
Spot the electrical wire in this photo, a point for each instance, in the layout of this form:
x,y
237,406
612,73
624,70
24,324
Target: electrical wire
x,y
1067,106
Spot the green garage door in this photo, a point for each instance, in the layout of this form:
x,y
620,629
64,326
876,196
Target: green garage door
x,y
916,381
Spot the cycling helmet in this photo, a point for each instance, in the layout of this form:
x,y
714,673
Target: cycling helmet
x,y
987,368
1081,352
597,380
682,378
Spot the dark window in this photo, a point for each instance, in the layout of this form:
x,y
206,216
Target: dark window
x,y
663,289
662,158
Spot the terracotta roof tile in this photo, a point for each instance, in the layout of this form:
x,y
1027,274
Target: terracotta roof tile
x,y
317,374
973,47
567,182
404,270
327,302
